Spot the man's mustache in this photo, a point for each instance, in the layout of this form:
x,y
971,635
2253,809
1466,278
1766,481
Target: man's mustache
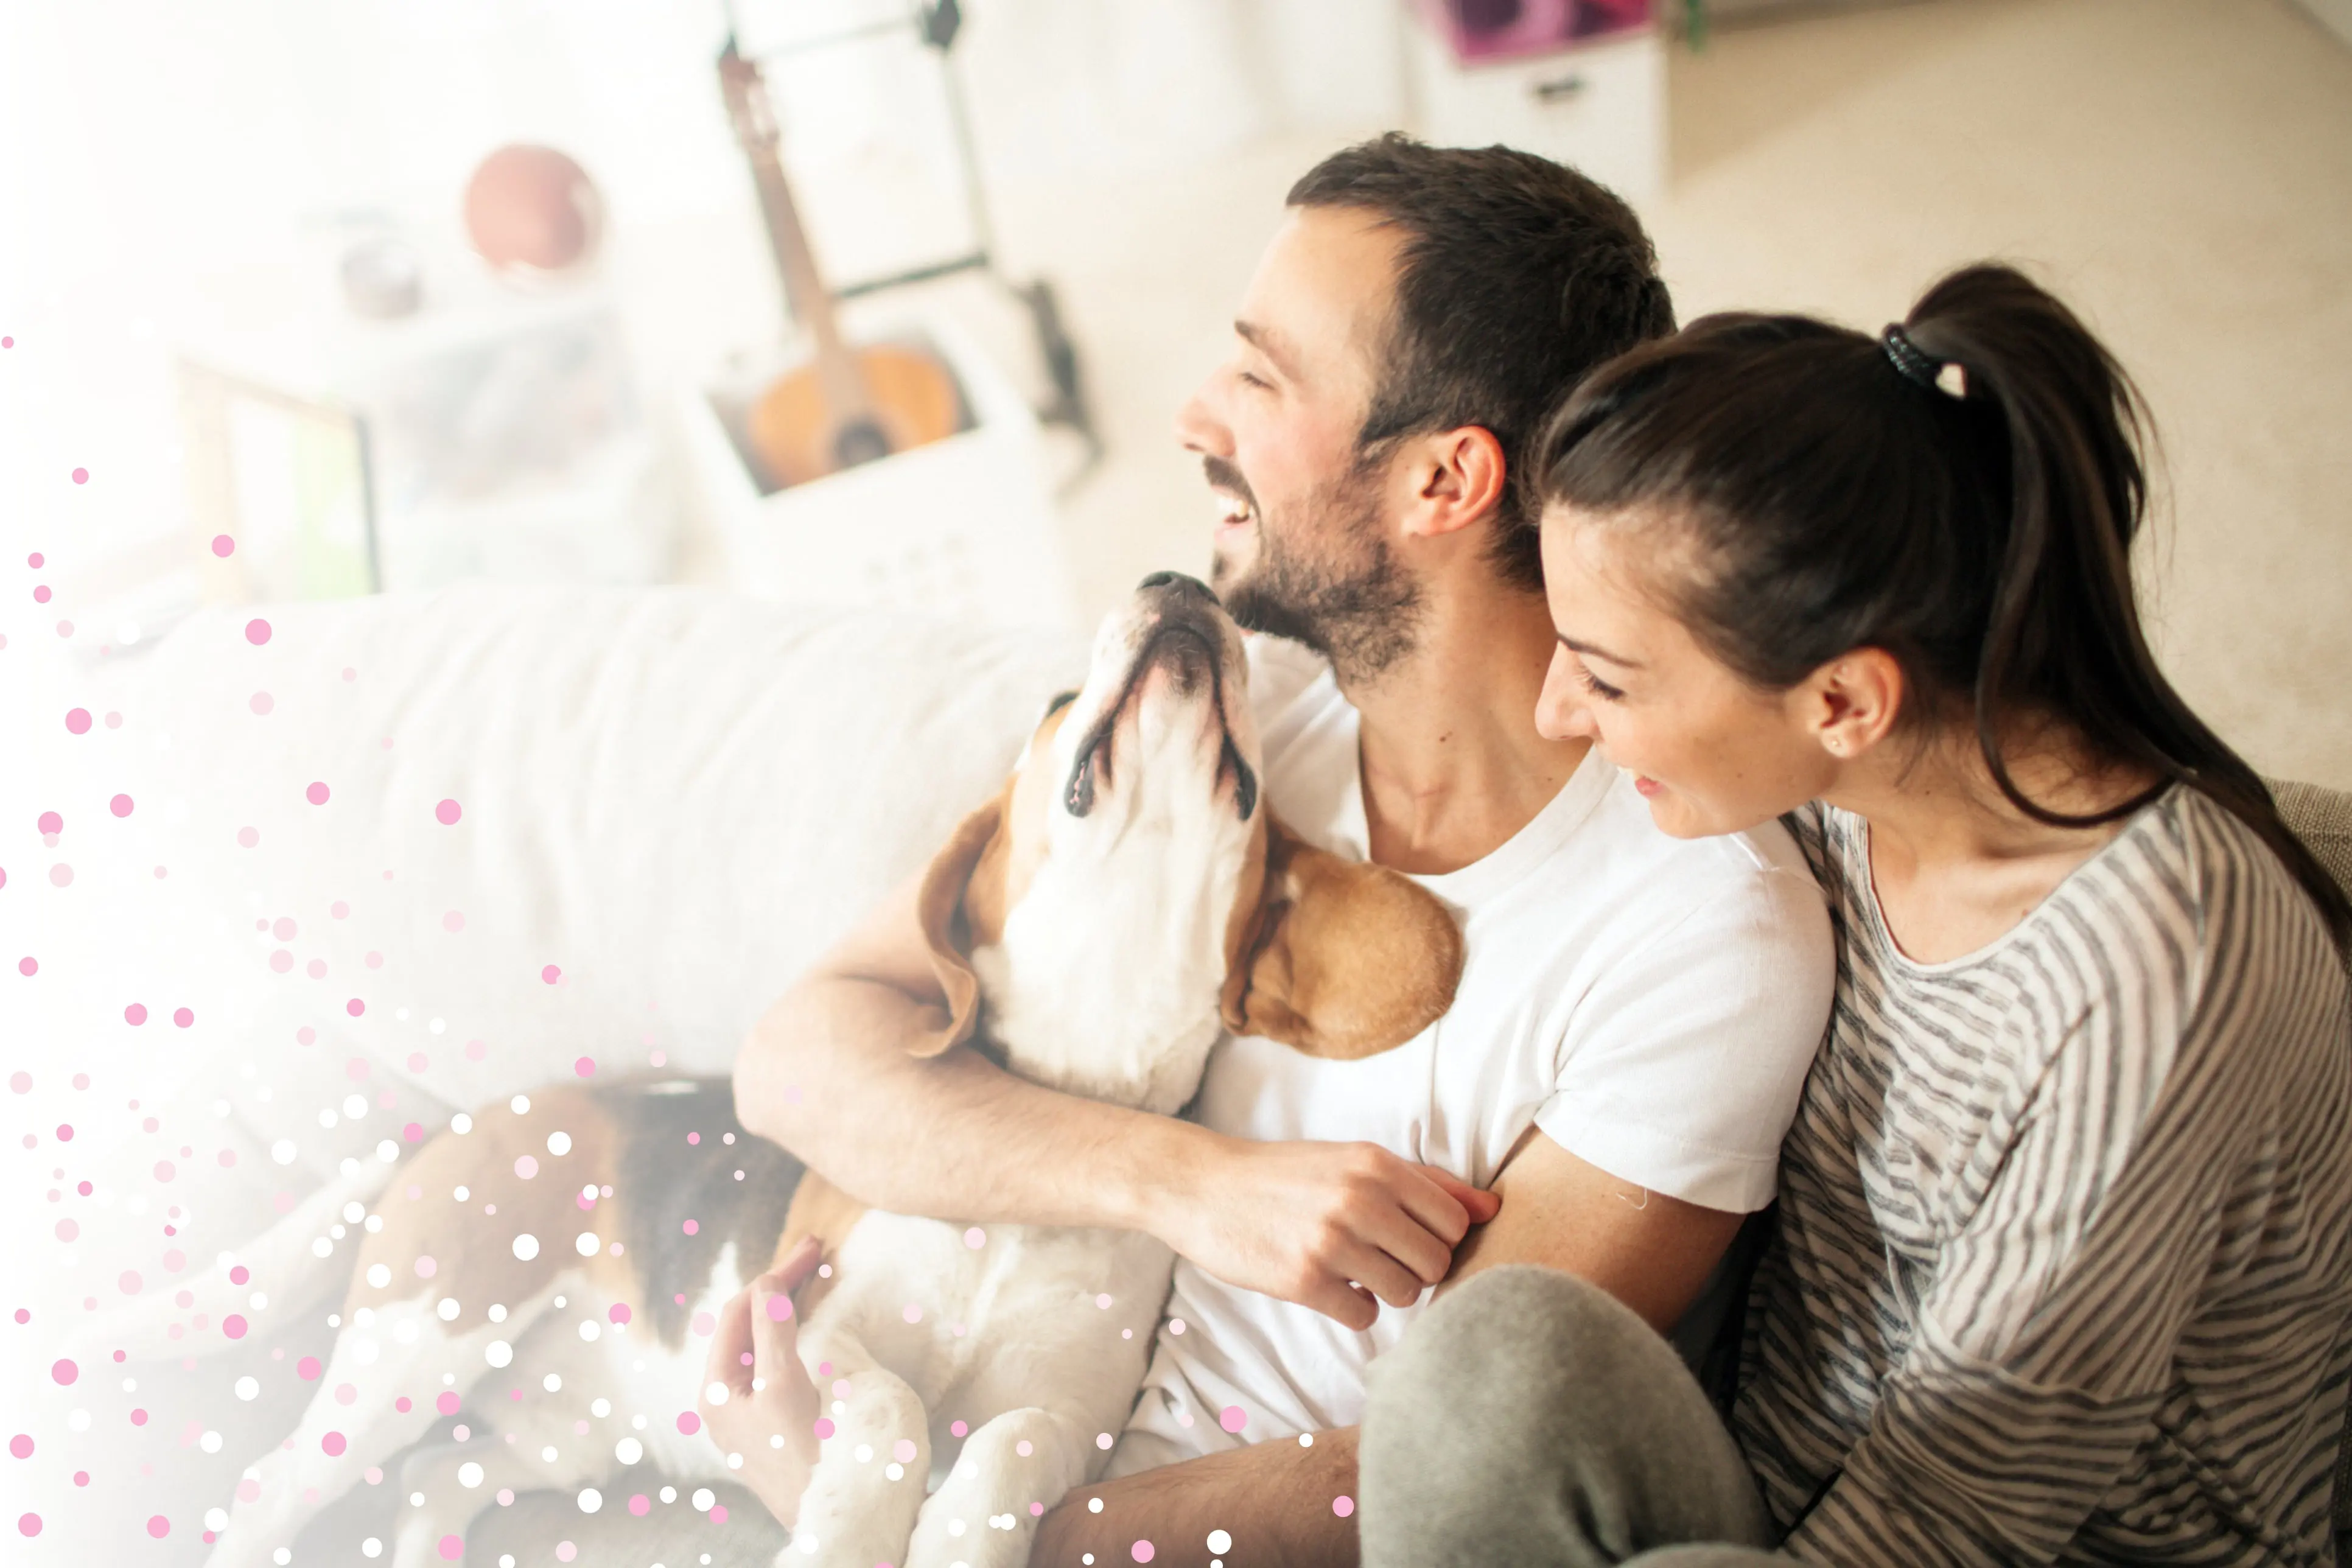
x,y
1224,476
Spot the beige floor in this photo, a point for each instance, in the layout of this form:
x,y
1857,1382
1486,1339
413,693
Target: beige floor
x,y
2180,169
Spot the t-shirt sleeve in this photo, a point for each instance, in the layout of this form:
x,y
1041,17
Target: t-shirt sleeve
x,y
1680,1067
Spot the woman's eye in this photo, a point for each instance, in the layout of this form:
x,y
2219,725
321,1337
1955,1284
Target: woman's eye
x,y
1598,686
1249,380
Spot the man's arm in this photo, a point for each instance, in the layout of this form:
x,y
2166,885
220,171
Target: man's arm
x,y
1275,1499
828,1074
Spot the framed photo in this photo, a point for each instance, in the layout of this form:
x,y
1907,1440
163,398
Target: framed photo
x,y
286,481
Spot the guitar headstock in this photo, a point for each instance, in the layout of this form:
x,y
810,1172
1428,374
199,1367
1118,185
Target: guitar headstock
x,y
748,109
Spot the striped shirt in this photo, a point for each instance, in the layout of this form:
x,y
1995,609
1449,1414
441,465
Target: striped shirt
x,y
2065,1265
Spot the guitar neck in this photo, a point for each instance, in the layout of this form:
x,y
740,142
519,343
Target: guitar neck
x,y
805,292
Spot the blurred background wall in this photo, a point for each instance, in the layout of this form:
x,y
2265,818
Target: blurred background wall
x,y
179,183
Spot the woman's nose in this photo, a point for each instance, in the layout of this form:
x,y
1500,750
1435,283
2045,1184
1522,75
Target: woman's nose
x,y
1561,711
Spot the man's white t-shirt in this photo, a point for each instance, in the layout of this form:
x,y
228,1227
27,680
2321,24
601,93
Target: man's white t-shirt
x,y
1650,1004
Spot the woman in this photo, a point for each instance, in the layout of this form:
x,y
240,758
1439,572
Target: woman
x,y
2065,1258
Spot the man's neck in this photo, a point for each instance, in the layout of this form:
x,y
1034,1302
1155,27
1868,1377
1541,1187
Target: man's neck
x,y
1453,766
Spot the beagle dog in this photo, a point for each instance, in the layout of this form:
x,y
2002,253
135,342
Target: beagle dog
x,y
1091,927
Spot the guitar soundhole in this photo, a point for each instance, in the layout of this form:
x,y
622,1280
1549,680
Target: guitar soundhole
x,y
859,441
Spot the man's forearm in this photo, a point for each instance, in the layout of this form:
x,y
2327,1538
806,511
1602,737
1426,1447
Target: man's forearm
x,y
952,1136
1277,1504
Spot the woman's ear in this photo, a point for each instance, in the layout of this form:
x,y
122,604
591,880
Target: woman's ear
x,y
1346,958
1853,703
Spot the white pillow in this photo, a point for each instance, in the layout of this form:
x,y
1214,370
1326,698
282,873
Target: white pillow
x,y
667,802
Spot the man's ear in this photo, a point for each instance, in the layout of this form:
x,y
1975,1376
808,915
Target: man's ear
x,y
1460,477
1346,958
947,927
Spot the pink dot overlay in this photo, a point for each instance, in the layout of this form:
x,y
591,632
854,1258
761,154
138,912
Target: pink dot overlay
x,y
1343,1506
688,1422
256,631
158,1526
119,805
78,720
1232,1418
81,477
223,545
64,1371
134,1015
1140,1551
317,793
447,813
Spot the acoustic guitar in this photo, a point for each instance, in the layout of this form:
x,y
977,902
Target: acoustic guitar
x,y
848,406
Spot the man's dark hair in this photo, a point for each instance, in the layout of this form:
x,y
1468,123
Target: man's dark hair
x,y
1517,277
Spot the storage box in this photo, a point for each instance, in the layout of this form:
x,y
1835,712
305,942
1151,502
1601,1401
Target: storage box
x,y
963,526
1599,107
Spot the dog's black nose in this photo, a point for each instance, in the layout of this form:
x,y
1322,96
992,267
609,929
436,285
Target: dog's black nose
x,y
1180,582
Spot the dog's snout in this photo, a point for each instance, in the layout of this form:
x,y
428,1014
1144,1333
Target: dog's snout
x,y
1181,583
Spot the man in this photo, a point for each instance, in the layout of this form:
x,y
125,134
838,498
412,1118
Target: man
x,y
1636,1015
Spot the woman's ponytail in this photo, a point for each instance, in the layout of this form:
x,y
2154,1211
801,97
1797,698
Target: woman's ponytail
x,y
1963,492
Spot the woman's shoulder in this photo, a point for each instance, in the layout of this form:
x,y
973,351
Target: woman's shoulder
x,y
2257,934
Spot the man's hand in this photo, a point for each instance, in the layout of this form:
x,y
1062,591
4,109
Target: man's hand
x,y
1339,1227
755,1357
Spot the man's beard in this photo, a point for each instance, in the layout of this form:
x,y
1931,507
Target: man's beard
x,y
1358,608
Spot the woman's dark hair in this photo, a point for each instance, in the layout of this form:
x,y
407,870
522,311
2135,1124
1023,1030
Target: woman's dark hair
x,y
1981,537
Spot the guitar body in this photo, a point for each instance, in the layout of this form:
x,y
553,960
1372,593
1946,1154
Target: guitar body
x,y
798,435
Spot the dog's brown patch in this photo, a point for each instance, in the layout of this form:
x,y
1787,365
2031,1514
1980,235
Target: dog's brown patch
x,y
630,1140
471,1246
1346,958
822,1210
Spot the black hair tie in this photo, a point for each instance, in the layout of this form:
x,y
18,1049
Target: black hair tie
x,y
1922,368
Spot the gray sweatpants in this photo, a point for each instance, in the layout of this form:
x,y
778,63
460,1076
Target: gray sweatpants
x,y
1531,1418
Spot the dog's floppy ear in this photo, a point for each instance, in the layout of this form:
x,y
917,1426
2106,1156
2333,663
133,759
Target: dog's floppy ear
x,y
948,925
1345,959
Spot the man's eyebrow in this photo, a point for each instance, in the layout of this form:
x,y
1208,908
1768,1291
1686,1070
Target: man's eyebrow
x,y
1597,651
1270,344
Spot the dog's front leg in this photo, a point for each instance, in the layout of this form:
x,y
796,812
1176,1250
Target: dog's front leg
x,y
1011,1471
860,1504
